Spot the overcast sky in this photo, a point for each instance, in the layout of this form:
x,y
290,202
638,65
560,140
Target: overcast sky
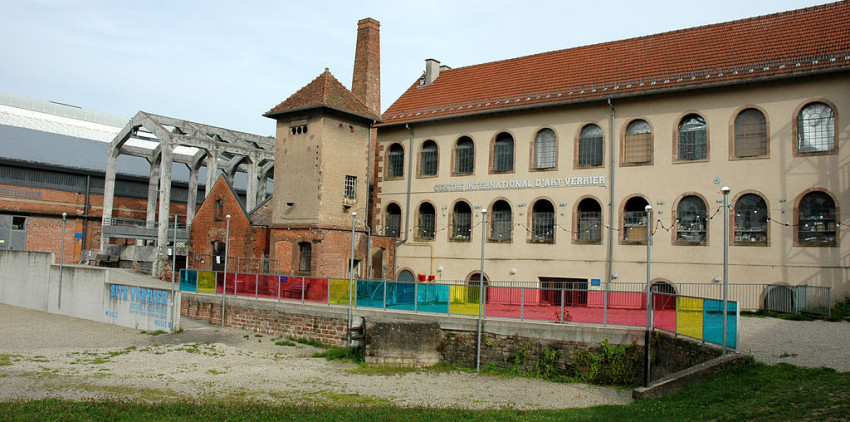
x,y
225,63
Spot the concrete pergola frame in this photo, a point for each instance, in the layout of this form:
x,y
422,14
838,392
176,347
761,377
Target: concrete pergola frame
x,y
215,148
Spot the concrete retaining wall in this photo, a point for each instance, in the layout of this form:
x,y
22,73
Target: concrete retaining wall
x,y
31,280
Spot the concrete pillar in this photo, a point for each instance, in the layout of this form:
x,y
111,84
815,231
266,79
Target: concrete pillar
x,y
109,191
192,199
212,169
165,163
251,186
153,191
261,187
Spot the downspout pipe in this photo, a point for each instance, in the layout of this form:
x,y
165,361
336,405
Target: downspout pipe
x,y
610,269
368,212
407,205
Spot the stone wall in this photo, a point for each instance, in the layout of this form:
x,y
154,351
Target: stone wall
x,y
673,354
300,321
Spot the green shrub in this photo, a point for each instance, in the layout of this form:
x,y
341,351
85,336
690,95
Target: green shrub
x,y
613,365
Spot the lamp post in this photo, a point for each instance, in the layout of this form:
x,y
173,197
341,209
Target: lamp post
x,y
725,190
481,290
224,279
351,273
61,261
647,337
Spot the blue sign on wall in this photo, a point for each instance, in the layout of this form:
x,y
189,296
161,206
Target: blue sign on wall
x,y
595,282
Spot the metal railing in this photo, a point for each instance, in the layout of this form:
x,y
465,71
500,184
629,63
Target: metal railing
x,y
782,298
130,228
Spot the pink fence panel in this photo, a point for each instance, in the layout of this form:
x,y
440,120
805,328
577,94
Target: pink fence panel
x,y
316,290
268,286
246,284
664,311
503,302
627,308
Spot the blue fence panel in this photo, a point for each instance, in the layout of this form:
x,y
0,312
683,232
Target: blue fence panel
x,y
713,322
188,280
370,294
433,298
401,296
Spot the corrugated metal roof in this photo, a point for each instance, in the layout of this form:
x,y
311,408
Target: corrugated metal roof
x,y
62,110
35,147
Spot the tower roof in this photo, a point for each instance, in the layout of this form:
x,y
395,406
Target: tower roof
x,y
323,92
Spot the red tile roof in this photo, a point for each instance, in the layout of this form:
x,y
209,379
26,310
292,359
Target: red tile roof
x,y
324,91
799,42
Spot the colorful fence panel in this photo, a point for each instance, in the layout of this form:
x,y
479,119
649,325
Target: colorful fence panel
x,y
432,298
338,292
370,294
694,317
464,300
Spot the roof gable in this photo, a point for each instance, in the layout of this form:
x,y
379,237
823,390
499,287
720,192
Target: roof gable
x,y
324,91
794,43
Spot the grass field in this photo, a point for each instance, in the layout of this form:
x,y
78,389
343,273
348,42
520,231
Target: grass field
x,y
759,392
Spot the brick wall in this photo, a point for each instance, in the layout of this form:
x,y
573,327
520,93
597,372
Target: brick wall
x,y
323,325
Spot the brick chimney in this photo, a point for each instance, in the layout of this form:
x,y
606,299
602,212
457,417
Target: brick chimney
x,y
366,83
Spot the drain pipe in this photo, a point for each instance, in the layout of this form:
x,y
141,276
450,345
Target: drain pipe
x,y
407,206
610,269
368,215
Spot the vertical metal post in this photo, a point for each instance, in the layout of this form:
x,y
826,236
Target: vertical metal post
x,y
647,335
351,273
224,278
61,262
481,290
725,190
173,272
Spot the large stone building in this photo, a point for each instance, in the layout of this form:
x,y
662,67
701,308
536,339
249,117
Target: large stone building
x,y
565,150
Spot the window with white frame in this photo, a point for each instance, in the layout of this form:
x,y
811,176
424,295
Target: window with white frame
x,y
350,187
816,128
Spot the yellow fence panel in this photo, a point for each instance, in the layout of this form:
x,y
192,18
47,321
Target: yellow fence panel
x,y
338,292
689,315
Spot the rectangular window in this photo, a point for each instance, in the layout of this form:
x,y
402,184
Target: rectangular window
x,y
426,226
589,226
503,155
429,162
305,252
638,148
19,223
590,152
501,226
350,187
462,225
634,226
464,160
219,210
543,226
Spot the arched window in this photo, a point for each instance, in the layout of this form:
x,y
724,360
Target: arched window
x,y
637,146
751,220
461,221
590,146
545,149
816,128
691,221
406,276
425,221
428,159
503,152
393,226
305,255
816,220
543,221
589,221
464,156
750,134
501,224
693,138
634,220
395,161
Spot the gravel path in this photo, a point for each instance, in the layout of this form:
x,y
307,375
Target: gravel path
x,y
801,343
43,355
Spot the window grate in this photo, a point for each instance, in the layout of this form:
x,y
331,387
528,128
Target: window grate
x,y
590,146
691,226
545,149
693,138
426,223
462,222
817,219
395,166
428,164
502,224
503,153
751,219
750,134
350,187
816,128
464,156
589,226
637,147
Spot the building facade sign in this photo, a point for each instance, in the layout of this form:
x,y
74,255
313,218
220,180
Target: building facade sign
x,y
514,184
20,193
